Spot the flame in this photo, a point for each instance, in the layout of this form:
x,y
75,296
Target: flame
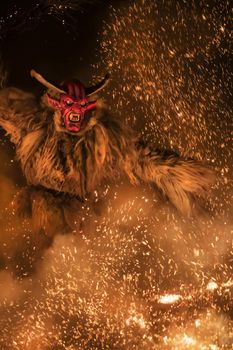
x,y
139,320
212,285
169,298
187,340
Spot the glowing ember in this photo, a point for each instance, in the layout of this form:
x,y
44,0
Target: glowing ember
x,y
169,298
187,340
211,285
136,320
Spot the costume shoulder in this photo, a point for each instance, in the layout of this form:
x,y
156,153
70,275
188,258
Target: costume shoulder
x,y
16,109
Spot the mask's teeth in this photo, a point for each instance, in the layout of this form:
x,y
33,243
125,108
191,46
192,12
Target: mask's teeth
x,y
74,117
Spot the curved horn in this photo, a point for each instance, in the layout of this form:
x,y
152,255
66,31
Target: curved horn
x,y
99,86
44,82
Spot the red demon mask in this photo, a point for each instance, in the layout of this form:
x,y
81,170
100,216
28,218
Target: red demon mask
x,y
72,105
74,100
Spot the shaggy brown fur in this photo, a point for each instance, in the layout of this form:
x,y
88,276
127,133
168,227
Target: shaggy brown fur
x,y
63,168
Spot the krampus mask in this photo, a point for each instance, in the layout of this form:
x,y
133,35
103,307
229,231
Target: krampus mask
x,y
74,100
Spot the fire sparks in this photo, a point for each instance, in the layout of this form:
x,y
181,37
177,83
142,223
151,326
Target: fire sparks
x,y
137,276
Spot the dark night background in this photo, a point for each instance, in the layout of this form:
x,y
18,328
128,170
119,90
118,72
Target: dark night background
x,y
142,277
38,37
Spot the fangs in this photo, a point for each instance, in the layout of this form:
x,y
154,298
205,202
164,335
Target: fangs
x,y
74,117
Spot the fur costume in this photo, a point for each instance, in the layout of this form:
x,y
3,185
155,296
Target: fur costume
x,y
69,144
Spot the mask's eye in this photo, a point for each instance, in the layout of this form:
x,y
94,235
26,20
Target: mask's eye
x,y
82,103
69,103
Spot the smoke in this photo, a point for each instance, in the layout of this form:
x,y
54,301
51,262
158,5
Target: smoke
x,y
110,284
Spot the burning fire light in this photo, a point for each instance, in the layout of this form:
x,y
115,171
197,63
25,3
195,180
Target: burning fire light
x,y
187,340
169,298
136,320
106,286
212,285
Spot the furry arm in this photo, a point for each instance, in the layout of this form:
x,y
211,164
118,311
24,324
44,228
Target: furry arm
x,y
15,107
179,179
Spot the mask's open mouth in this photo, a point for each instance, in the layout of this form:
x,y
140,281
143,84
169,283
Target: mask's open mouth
x,y
73,117
73,122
